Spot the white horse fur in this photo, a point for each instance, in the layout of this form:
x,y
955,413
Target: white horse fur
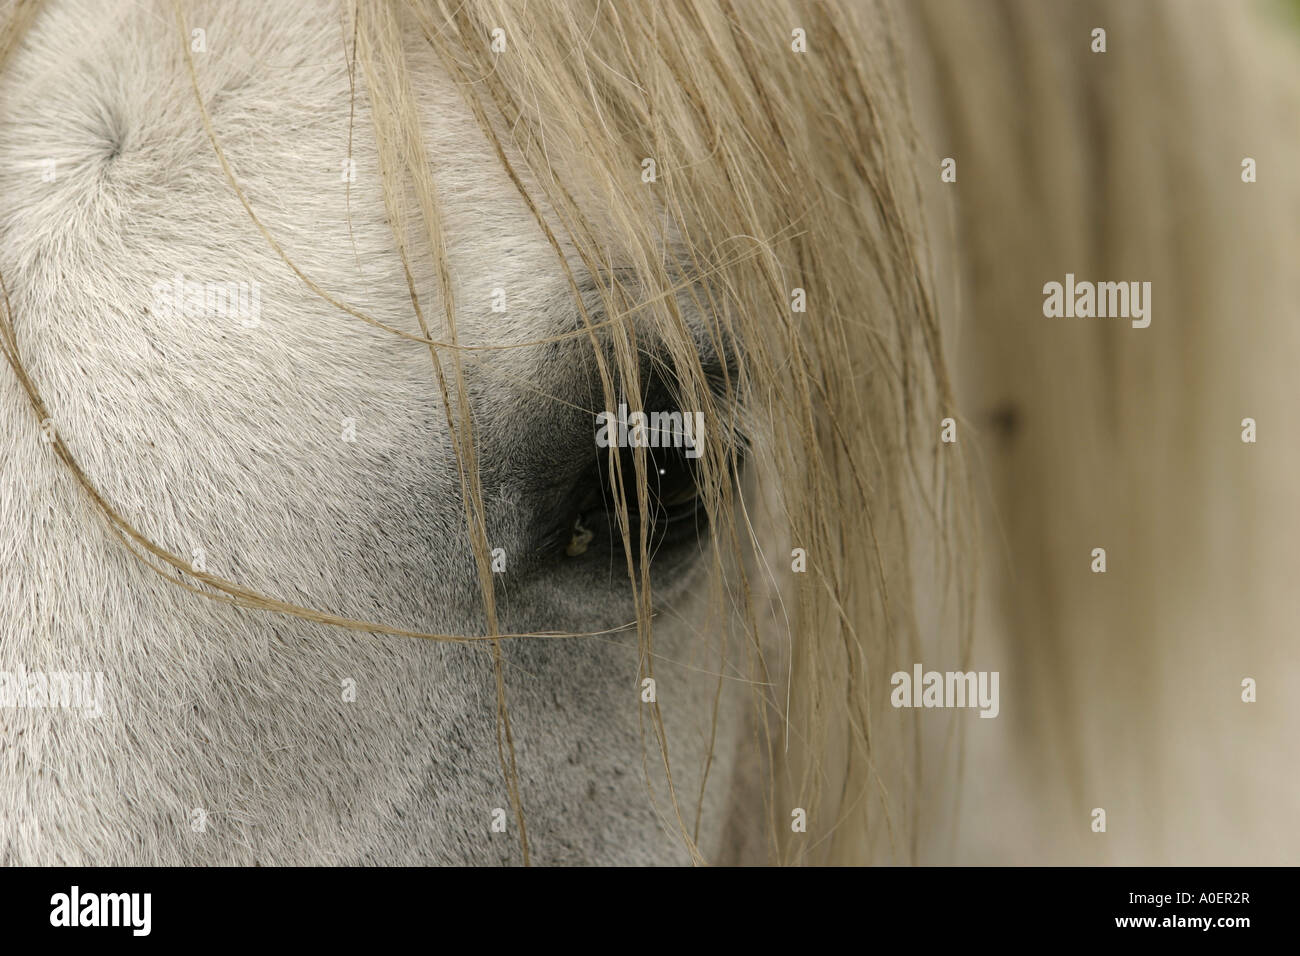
x,y
215,436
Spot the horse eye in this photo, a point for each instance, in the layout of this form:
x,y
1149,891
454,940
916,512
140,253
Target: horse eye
x,y
674,510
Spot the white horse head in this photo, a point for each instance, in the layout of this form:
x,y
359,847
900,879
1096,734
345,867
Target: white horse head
x,y
314,550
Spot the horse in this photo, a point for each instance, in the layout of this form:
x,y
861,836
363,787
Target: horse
x,y
312,553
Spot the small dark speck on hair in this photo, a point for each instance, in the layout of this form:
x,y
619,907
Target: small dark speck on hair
x,y
1005,419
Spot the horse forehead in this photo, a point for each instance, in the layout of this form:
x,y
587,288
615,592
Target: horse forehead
x,y
140,203
118,115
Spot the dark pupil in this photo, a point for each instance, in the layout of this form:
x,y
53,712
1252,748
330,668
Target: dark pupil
x,y
670,485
